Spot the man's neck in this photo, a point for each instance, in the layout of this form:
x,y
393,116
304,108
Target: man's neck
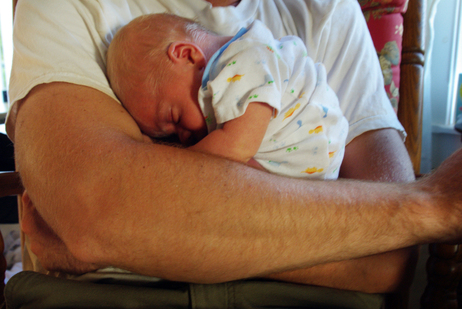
x,y
213,44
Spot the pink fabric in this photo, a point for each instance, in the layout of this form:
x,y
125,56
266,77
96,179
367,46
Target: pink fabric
x,y
385,22
382,7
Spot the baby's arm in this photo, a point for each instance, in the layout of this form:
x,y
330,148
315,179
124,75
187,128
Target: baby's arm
x,y
240,138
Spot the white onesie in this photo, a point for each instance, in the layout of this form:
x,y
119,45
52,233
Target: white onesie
x,y
306,136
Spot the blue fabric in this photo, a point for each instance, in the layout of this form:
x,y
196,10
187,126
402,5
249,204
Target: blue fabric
x,y
214,58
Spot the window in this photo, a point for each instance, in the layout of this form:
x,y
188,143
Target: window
x,y
445,63
6,51
443,59
457,92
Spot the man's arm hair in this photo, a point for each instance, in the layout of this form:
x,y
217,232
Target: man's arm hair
x,y
192,217
375,156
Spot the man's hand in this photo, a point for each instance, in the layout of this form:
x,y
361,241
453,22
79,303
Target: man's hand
x,y
445,186
50,250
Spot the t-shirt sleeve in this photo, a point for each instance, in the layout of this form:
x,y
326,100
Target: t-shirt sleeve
x,y
356,75
55,41
336,34
253,75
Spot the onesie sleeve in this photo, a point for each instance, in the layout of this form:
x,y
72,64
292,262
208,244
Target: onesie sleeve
x,y
252,75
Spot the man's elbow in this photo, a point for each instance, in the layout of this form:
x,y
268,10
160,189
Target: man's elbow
x,y
85,230
396,273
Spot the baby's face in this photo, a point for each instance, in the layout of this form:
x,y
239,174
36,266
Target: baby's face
x,y
172,112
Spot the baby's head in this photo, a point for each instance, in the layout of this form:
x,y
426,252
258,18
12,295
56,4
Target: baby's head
x,y
155,66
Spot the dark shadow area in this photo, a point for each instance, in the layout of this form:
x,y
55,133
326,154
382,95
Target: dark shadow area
x,y
8,205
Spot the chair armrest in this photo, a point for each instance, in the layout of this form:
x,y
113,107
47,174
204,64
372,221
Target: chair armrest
x,y
10,184
444,272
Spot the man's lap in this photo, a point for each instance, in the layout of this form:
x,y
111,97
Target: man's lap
x,y
34,290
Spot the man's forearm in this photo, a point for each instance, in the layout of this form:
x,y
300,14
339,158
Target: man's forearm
x,y
189,216
375,155
382,273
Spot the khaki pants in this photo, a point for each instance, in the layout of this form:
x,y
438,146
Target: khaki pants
x,y
33,290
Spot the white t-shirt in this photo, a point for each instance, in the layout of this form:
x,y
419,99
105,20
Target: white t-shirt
x,y
306,135
67,40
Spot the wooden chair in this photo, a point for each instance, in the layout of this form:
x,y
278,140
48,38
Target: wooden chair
x,y
444,271
411,83
10,184
444,266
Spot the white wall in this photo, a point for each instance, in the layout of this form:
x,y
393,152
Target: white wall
x,y
442,60
439,137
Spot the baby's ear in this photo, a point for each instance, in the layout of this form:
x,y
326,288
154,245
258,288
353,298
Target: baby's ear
x,y
186,53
